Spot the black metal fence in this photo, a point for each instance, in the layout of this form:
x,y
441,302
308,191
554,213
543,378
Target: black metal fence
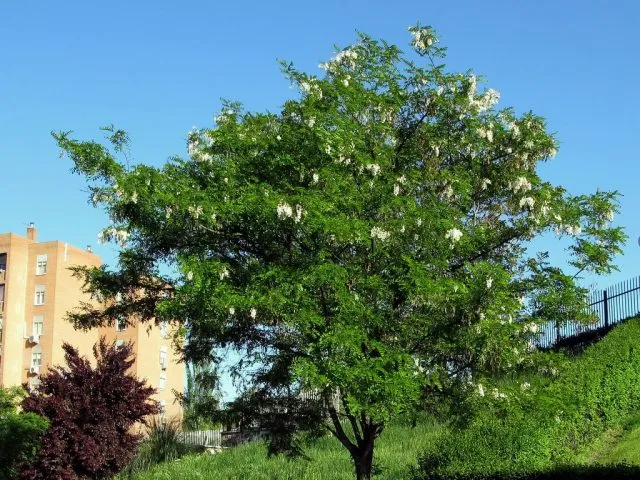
x,y
611,306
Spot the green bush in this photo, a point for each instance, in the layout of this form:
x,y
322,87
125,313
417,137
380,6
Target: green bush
x,y
531,432
20,432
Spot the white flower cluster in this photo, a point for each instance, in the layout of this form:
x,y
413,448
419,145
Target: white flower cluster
x,y
346,57
253,313
521,184
485,101
224,273
499,395
423,38
531,327
120,235
310,88
285,210
485,133
573,230
195,211
454,235
374,168
377,232
315,178
485,183
527,202
396,189
480,390
489,282
189,275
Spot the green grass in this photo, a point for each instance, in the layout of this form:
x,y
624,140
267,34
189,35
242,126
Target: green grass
x,y
620,444
396,452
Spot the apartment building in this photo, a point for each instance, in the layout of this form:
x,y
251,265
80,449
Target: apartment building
x,y
37,289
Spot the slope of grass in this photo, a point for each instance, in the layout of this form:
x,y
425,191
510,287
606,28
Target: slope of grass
x,y
621,444
396,452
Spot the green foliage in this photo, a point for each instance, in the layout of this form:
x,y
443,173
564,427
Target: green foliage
x,y
201,397
550,421
367,239
20,432
162,444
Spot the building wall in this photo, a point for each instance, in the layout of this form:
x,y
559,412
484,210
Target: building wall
x,y
63,293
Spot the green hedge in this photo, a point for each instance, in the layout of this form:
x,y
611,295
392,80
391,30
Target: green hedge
x,y
534,431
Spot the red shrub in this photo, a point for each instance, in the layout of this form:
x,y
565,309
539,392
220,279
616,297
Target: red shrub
x,y
91,411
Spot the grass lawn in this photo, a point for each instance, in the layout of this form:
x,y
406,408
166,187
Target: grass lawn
x,y
396,451
621,444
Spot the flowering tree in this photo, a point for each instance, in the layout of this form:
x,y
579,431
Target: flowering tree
x,y
91,411
369,239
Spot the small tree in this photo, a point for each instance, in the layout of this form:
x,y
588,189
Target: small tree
x,y
369,239
20,432
92,412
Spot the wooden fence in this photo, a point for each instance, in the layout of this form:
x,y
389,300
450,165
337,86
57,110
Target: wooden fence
x,y
611,306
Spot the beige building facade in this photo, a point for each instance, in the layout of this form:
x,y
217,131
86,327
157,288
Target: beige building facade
x,y
37,289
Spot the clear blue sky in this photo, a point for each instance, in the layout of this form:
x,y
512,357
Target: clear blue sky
x,y
158,68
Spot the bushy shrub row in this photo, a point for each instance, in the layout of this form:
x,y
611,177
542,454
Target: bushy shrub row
x,y
545,424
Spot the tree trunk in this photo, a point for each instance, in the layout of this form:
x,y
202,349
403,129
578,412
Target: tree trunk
x,y
363,459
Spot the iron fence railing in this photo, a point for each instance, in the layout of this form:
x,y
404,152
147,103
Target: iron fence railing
x,y
610,306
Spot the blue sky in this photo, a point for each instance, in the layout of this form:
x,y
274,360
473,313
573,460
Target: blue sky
x,y
158,68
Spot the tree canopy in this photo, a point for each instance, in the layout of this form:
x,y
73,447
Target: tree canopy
x,y
368,239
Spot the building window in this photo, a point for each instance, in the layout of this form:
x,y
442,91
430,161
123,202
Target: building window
x,y
162,385
36,359
39,298
163,357
38,325
163,406
121,324
41,265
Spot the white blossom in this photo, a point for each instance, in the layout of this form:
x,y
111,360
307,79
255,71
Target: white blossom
x,y
374,168
422,37
485,183
609,216
454,235
520,184
134,197
448,192
489,282
527,202
284,210
311,121
327,149
253,313
278,137
232,311
315,178
531,327
525,386
189,275
402,179
490,135
402,229
299,213
480,390
571,230
498,394
346,57
167,212
224,273
195,211
377,232
396,189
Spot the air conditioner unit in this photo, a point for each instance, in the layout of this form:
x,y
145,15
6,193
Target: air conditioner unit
x,y
34,339
35,370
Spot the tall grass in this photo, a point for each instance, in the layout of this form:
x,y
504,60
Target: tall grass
x,y
396,452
